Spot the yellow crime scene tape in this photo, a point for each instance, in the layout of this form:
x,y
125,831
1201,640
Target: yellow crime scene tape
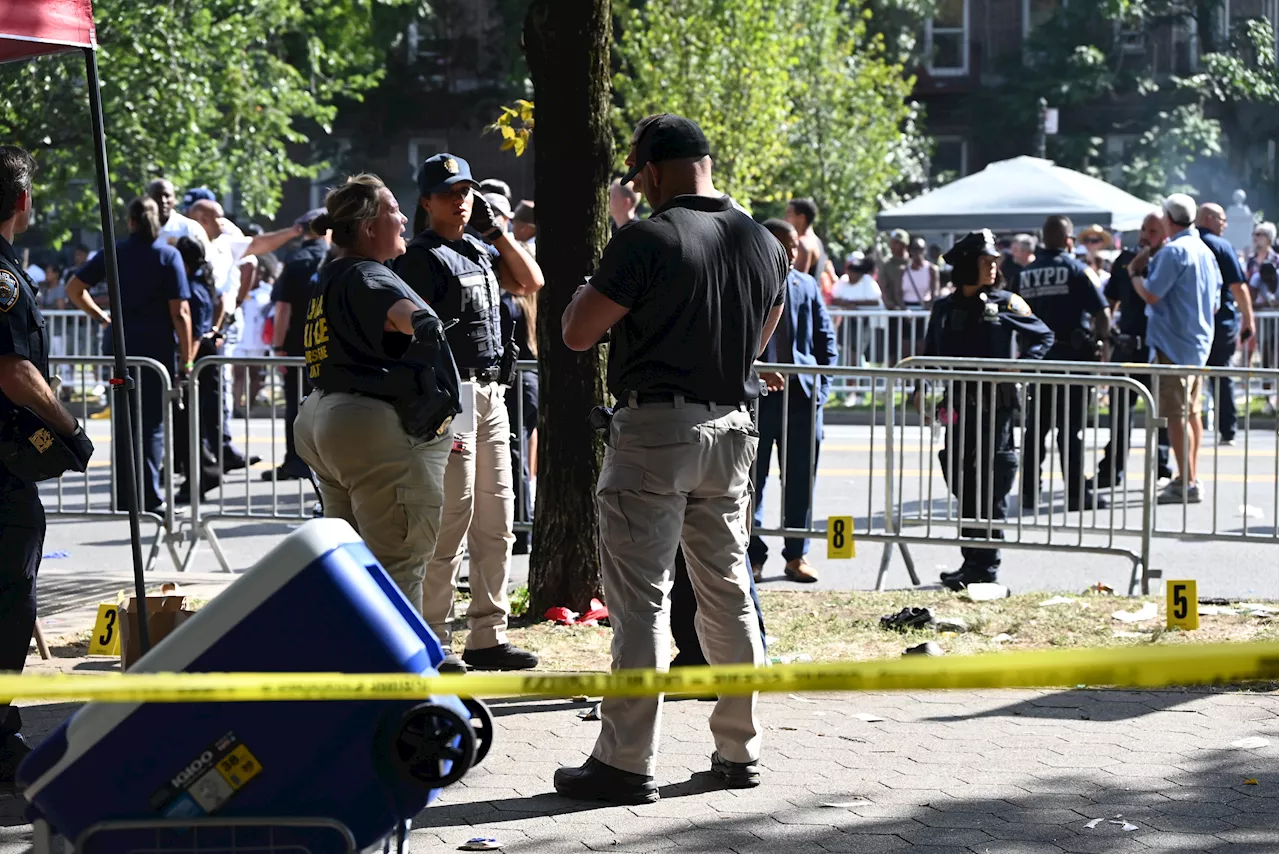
x,y
1144,667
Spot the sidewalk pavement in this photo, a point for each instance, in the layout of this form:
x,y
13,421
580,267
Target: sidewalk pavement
x,y
986,772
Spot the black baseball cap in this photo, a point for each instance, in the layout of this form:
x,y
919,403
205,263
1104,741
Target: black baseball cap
x,y
668,137
973,245
443,171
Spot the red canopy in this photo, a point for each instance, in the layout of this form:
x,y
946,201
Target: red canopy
x,y
34,27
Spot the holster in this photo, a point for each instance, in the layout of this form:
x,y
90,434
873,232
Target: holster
x,y
600,418
426,410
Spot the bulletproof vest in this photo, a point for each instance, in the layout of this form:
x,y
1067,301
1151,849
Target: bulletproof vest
x,y
335,360
24,316
471,297
1048,285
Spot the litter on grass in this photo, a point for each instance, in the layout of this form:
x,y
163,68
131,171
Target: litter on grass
x,y
1146,612
1057,600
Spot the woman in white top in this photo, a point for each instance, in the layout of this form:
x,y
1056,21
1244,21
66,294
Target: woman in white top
x,y
857,290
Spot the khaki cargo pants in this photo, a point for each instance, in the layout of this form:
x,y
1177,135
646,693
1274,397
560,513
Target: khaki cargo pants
x,y
479,511
677,473
387,484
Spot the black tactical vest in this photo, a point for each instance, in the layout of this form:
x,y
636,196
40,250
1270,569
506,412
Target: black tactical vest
x,y
471,297
24,316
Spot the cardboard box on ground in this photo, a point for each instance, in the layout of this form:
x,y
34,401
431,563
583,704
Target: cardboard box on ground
x,y
164,614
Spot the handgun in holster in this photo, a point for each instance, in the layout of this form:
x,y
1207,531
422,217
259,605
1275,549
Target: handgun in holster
x,y
1085,342
600,418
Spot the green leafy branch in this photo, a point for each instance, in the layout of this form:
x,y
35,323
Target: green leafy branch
x,y
515,125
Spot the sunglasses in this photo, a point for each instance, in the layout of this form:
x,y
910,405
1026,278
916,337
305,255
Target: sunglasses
x,y
1091,240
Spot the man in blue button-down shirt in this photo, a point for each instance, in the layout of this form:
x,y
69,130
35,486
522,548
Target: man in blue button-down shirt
x,y
1180,286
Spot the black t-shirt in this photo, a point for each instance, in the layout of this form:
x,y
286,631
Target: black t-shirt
x,y
294,287
699,278
1119,289
345,344
1061,292
1229,266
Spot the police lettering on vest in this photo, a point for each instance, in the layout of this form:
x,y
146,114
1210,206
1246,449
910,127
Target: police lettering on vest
x,y
458,279
1063,293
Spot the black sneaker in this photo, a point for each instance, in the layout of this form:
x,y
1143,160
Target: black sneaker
x,y
1090,501
452,664
736,775
596,781
13,749
501,657
957,581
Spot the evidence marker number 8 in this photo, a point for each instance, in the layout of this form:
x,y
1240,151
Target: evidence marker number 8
x,y
840,538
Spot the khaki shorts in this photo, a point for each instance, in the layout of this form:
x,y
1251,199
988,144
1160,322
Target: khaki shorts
x,y
1177,393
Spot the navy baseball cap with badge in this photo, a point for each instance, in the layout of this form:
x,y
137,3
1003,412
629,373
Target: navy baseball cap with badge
x,y
667,137
441,172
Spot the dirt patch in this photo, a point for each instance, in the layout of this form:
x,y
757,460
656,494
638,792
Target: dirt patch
x,y
845,626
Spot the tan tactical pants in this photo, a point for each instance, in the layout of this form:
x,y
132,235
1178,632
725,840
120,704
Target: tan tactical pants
x,y
677,473
386,483
479,509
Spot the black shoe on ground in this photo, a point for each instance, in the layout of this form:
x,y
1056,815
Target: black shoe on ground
x,y
1090,501
1105,480
908,618
13,749
1029,501
237,462
736,775
283,473
452,664
595,781
956,576
689,659
501,657
969,575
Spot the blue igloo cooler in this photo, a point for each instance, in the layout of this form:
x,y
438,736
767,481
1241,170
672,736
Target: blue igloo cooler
x,y
318,602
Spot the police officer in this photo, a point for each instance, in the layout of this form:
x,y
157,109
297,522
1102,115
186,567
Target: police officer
x,y
1064,293
979,320
376,430
692,294
459,275
24,367
1233,321
154,298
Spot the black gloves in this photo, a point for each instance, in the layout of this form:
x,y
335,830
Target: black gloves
x,y
482,218
427,328
80,446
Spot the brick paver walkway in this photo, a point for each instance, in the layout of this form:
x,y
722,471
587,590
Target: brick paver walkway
x,y
993,771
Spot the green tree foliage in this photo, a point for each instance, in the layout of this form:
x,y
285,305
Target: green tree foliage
x,y
797,98
200,91
853,133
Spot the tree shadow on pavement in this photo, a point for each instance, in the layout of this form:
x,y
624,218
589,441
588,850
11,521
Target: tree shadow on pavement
x,y
1086,705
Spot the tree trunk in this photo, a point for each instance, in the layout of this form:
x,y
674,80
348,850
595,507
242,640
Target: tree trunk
x,y
567,43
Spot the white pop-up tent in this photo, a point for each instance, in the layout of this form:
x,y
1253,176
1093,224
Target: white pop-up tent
x,y
1017,195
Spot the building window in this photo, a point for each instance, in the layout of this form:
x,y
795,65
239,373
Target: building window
x,y
947,38
1038,12
335,151
950,160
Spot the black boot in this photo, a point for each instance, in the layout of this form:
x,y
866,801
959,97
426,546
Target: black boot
x,y
595,781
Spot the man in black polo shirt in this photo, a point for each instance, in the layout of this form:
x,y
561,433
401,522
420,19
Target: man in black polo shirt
x,y
692,294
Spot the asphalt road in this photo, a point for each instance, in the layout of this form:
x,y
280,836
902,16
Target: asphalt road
x,y
1239,498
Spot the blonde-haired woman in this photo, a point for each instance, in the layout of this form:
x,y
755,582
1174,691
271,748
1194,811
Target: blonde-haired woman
x,y
376,428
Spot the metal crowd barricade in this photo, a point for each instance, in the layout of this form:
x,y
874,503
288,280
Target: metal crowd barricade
x,y
260,501
1258,449
873,337
904,483
92,493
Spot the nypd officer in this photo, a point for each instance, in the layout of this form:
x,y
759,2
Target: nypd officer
x,y
692,295
1064,293
980,320
459,275
376,428
24,366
